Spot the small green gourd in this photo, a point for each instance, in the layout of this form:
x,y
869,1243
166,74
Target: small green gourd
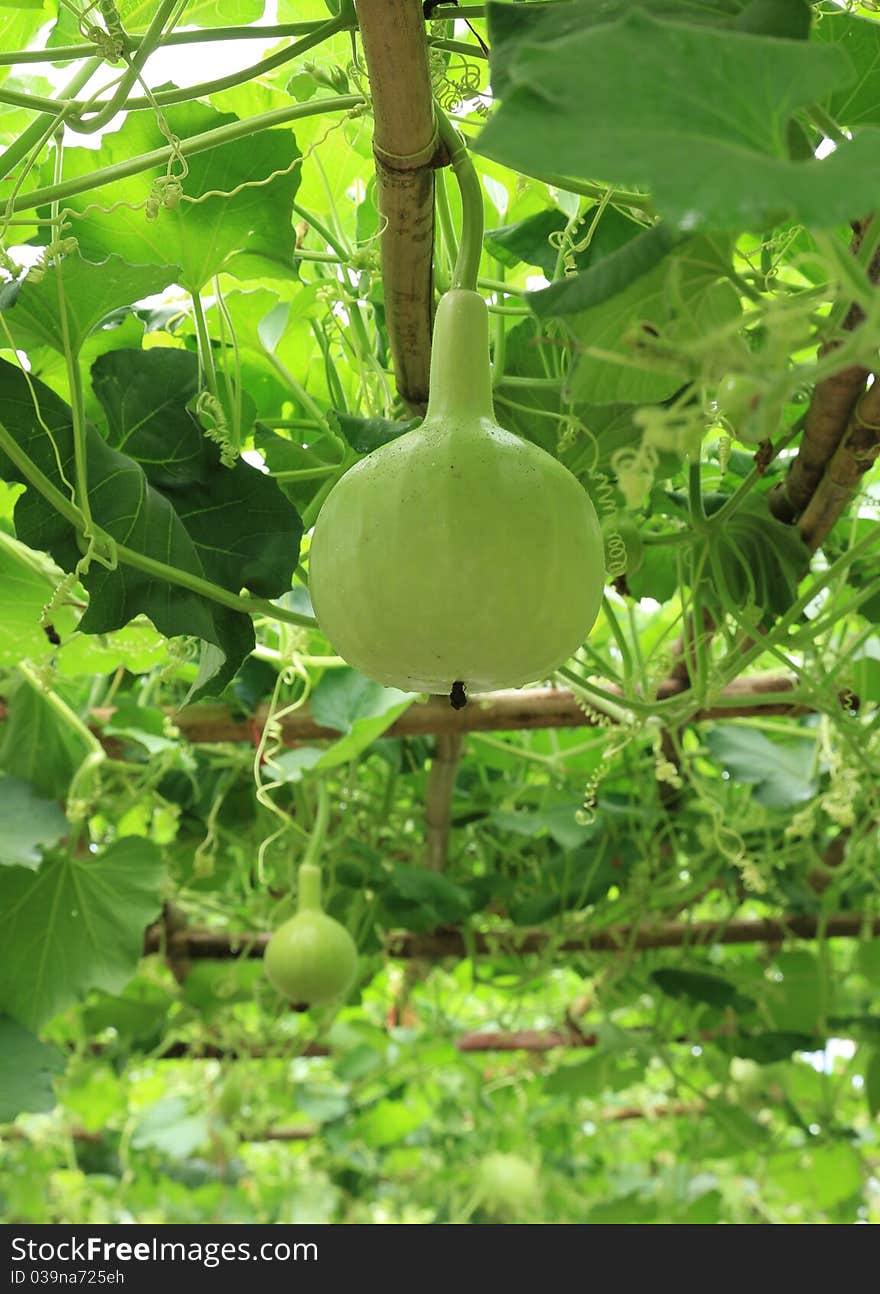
x,y
311,959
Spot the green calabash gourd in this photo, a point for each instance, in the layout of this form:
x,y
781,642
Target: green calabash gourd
x,y
458,554
311,958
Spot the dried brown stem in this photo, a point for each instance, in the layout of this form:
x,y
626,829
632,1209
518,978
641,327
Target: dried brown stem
x,y
405,146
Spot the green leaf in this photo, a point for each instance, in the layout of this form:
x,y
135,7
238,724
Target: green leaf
x,y
821,1176
511,25
366,434
609,276
435,897
697,986
27,580
244,530
30,824
528,240
631,1208
782,774
38,745
248,233
697,115
91,292
171,1127
27,1068
344,698
593,1076
388,1121
793,996
872,1083
766,1048
859,39
682,298
127,507
76,924
761,560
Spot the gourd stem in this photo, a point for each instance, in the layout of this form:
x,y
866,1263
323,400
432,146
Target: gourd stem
x,y
319,830
467,263
309,892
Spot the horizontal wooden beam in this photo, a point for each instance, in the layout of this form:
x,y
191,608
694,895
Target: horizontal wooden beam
x,y
196,944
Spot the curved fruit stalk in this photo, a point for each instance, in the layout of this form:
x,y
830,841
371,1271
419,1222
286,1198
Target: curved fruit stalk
x,y
311,958
458,557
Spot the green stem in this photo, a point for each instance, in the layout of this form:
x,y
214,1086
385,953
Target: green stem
x,y
319,830
325,232
695,496
456,46
40,130
619,638
470,249
206,353
309,887
62,709
116,102
499,336
744,489
446,227
309,514
301,395
186,148
207,36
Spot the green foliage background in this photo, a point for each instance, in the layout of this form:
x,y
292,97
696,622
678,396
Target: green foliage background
x,y
668,193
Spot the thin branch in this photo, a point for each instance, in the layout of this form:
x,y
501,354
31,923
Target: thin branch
x,y
405,145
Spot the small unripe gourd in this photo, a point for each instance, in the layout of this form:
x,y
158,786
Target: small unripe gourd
x,y
458,553
311,958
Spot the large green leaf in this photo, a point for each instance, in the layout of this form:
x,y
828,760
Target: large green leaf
x,y
76,924
682,298
782,773
607,277
30,824
38,745
91,292
251,230
174,527
27,1068
244,530
699,116
859,38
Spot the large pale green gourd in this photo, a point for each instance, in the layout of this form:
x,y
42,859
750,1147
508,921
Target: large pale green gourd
x,y
459,553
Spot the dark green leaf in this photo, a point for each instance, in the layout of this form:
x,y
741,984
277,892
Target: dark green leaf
x,y
609,276
30,824
38,745
697,986
366,434
125,506
783,774
27,1068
